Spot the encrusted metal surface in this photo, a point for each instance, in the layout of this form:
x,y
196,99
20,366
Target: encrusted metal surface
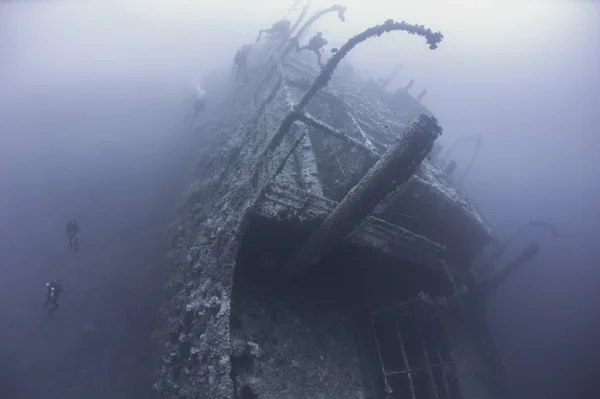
x,y
282,202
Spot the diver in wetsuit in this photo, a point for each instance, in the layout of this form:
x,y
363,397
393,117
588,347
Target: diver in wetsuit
x,y
315,44
53,290
73,233
279,28
240,61
199,104
294,6
449,168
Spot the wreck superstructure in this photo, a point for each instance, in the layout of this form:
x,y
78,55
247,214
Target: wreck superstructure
x,y
321,254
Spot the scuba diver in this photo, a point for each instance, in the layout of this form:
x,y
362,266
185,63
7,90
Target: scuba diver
x,y
279,28
199,104
315,44
73,233
240,61
449,168
294,6
53,290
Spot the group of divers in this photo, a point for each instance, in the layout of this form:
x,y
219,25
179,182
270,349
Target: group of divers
x,y
279,31
54,287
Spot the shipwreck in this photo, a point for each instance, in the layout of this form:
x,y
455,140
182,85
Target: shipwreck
x,y
323,251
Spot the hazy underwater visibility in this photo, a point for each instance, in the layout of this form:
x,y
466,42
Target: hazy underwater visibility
x,y
299,199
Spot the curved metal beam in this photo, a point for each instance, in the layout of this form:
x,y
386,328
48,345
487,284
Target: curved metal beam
x,y
433,38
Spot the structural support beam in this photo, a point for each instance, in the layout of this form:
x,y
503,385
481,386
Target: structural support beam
x,y
384,82
395,167
492,282
366,141
307,164
325,128
443,366
386,387
432,384
406,364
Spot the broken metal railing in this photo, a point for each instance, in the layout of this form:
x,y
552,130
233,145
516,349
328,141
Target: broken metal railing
x,y
387,387
406,363
444,366
412,371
